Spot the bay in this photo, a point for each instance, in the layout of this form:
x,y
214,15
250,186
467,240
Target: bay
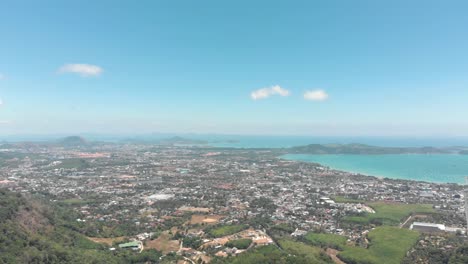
x,y
439,168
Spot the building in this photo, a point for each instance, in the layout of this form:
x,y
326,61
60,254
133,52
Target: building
x,y
135,245
427,227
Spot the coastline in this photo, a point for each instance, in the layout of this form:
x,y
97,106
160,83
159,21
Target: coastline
x,y
368,174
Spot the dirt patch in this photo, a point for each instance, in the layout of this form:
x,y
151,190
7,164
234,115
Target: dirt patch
x,y
163,244
205,219
108,241
195,209
332,253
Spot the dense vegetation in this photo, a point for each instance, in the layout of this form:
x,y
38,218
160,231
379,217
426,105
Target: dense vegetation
x,y
34,232
427,252
242,243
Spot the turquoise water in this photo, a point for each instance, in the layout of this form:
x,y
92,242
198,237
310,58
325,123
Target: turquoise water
x,y
421,167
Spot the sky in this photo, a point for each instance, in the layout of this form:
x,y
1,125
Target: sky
x,y
377,68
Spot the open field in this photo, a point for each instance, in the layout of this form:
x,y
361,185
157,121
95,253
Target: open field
x,y
74,163
226,230
107,241
163,243
326,240
293,252
389,213
387,245
342,199
205,219
75,201
195,209
310,253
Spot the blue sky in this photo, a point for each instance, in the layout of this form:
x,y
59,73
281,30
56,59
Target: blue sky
x,y
325,67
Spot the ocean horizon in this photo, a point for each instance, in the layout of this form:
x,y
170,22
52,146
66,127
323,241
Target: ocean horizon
x,y
259,141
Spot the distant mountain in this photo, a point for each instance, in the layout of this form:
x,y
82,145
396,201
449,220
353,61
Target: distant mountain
x,y
182,141
7,145
355,148
73,141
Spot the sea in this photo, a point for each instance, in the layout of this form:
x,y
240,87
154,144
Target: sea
x,y
440,168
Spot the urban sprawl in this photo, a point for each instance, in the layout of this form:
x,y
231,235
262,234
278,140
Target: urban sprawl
x,y
196,203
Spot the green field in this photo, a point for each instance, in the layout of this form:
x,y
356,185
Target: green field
x,y
74,164
226,230
326,240
75,201
387,245
389,214
292,252
310,253
342,199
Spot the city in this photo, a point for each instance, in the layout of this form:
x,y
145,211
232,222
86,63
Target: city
x,y
233,132
194,203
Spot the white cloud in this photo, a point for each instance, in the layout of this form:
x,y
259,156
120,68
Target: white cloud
x,y
83,70
316,95
267,92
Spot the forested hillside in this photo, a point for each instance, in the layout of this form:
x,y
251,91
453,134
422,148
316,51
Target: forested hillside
x,y
33,231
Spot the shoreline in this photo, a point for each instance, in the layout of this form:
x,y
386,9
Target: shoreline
x,y
354,173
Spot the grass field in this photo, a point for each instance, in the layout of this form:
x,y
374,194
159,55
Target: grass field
x,y
226,230
389,214
291,252
310,253
75,201
326,240
387,245
74,164
265,254
342,199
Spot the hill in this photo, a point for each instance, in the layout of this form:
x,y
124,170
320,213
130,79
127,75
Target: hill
x,y
363,149
72,141
33,231
182,141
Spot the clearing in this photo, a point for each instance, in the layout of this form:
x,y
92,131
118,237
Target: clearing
x,y
163,243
